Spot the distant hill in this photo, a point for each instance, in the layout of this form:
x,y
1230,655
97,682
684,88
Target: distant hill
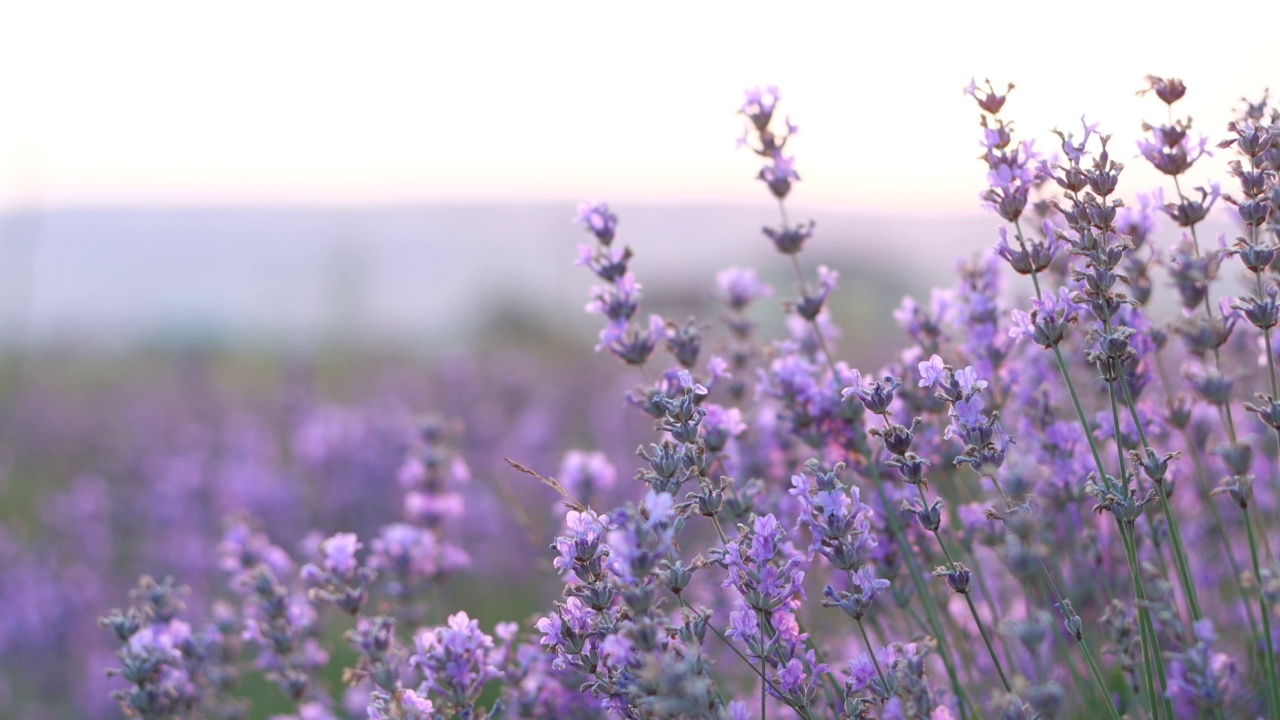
x,y
411,275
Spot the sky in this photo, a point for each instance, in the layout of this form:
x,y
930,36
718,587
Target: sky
x,y
176,103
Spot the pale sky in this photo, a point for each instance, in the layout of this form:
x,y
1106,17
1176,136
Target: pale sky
x,y
362,103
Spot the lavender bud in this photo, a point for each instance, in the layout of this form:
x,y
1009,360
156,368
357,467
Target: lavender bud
x,y
958,577
1212,386
790,240
677,576
930,517
1268,411
1255,257
1203,334
910,466
598,220
1154,466
897,438
685,342
1179,411
1169,90
1074,625
1238,487
779,175
1238,457
1262,313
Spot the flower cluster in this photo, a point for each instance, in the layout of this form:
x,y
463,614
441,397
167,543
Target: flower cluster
x,y
970,577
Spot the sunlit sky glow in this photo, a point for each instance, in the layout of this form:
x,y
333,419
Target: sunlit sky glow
x,y
364,103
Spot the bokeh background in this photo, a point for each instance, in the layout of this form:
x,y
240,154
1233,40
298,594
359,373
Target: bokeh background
x,y
243,246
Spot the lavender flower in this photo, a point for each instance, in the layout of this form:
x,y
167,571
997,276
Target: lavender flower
x,y
456,663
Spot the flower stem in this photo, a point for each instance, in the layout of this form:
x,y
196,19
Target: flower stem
x,y
884,684
1179,552
973,610
1272,688
1144,617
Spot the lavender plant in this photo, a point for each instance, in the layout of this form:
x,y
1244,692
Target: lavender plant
x,y
988,530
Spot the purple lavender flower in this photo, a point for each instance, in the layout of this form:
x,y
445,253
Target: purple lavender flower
x,y
739,287
582,550
339,553
1200,678
864,587
759,105
757,567
839,523
1169,90
598,220
456,663
1170,150
585,475
790,239
1046,324
779,174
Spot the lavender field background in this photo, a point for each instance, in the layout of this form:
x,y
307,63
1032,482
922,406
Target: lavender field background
x,y
493,360
167,369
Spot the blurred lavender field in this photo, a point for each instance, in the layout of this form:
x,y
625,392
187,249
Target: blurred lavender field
x,y
165,370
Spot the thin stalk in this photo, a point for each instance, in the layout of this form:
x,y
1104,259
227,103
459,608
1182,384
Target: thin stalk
x,y
915,617
1273,689
1144,617
1175,537
685,606
872,652
980,577
987,641
1131,557
944,650
1061,599
1062,367
804,712
1086,692
1271,376
973,610
817,654
1097,677
1202,477
817,331
1266,335
1075,401
1150,641
763,694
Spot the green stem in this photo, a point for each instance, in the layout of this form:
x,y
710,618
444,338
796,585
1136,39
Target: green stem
x,y
973,610
1271,376
1175,537
686,608
763,694
1061,599
1202,478
980,576
1084,423
990,650
1102,478
1097,677
804,712
1150,641
1144,616
1272,688
899,537
884,685
817,654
